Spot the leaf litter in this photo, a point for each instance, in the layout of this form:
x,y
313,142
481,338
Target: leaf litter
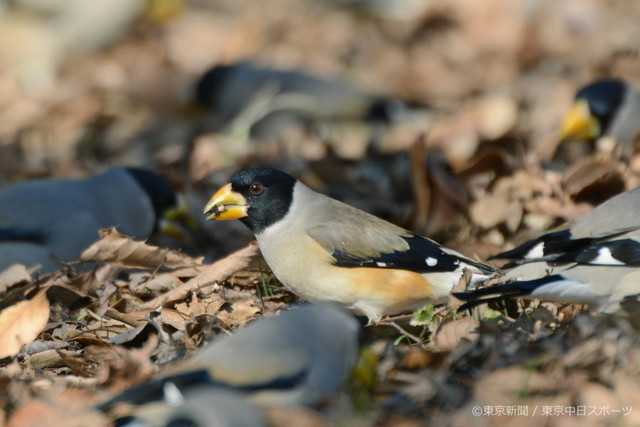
x,y
483,174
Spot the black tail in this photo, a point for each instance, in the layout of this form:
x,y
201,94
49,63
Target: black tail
x,y
504,291
554,246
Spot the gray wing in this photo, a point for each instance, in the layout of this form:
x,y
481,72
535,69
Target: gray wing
x,y
383,245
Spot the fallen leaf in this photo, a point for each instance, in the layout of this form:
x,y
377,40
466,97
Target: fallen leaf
x,y
13,275
191,308
175,319
136,337
117,248
45,412
78,364
566,210
214,303
489,211
216,272
68,296
241,312
146,285
495,116
451,333
21,323
120,367
514,216
46,360
593,181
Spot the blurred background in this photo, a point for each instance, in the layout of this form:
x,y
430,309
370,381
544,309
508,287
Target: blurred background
x,y
443,116
467,145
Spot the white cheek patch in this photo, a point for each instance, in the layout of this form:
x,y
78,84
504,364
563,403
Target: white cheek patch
x,y
431,262
381,264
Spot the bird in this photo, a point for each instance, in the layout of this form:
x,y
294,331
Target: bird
x,y
49,221
593,260
602,275
605,222
300,357
209,406
326,251
278,98
607,107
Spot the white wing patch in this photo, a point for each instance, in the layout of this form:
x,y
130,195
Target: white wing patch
x,y
606,257
535,252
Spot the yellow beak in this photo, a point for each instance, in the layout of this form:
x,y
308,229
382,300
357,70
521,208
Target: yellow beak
x,y
579,124
176,220
226,204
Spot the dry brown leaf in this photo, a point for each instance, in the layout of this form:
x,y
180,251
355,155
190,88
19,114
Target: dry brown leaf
x,y
461,286
241,312
117,248
489,211
42,412
214,303
175,318
495,116
46,360
13,275
120,367
105,293
451,333
593,181
191,308
216,272
514,216
107,329
504,386
561,209
153,285
21,323
133,318
67,295
418,358
78,364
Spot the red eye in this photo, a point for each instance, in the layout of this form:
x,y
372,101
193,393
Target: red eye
x,y
255,188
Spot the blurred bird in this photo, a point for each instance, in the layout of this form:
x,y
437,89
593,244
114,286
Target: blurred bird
x,y
604,108
298,358
593,260
324,250
200,406
605,222
52,220
271,99
39,35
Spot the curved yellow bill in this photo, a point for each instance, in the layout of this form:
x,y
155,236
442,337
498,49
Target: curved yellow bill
x,y
226,204
579,124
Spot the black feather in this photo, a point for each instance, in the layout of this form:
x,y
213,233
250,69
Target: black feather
x,y
504,291
414,259
154,390
18,235
555,246
626,251
604,98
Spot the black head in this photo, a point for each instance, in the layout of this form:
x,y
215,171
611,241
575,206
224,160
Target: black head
x,y
604,98
162,194
268,192
212,83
